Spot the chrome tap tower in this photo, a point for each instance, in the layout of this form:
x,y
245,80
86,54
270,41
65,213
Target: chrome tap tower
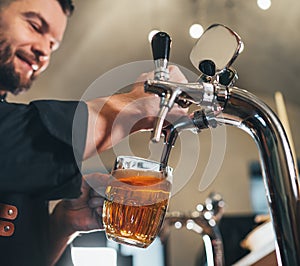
x,y
220,103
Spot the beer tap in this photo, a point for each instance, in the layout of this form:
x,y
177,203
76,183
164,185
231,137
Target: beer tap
x,y
199,93
223,104
161,45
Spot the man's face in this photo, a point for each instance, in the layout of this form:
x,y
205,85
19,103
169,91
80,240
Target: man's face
x,y
30,30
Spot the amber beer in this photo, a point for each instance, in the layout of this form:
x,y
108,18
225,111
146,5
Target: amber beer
x,y
135,206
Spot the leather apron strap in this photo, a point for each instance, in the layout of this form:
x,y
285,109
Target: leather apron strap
x,y
7,212
6,228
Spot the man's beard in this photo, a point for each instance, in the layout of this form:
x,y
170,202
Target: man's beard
x,y
10,80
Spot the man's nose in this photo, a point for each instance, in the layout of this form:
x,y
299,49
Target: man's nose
x,y
42,49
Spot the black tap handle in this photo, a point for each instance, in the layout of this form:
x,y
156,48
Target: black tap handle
x,y
161,45
207,67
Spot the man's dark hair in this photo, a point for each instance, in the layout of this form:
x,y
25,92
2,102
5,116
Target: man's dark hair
x,y
67,6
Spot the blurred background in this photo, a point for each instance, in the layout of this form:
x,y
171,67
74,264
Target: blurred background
x,y
103,35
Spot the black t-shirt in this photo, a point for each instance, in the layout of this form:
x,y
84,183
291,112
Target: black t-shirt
x,y
39,146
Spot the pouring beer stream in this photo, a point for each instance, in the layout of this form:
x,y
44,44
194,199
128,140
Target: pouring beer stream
x,y
220,103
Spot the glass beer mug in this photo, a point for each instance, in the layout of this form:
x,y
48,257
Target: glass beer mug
x,y
136,201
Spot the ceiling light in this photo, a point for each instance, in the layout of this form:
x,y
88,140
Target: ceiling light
x,y
196,30
264,4
178,225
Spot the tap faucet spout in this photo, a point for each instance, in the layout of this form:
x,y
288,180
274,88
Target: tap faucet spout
x,y
195,122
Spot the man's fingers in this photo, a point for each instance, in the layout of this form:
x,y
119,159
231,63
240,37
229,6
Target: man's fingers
x,y
97,182
96,202
99,211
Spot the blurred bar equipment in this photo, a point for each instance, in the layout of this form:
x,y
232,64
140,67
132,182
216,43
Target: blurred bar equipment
x,y
223,104
203,221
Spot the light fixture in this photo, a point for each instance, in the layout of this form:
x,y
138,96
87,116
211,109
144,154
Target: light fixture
x,y
264,4
200,208
178,225
212,222
196,30
207,215
191,225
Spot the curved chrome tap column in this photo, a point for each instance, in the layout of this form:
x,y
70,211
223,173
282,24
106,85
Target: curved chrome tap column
x,y
247,112
242,109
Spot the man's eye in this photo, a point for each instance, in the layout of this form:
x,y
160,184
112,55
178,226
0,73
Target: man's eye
x,y
35,26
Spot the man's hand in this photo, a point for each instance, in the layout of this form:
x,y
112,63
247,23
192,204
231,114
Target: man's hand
x,y
113,118
84,213
71,217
